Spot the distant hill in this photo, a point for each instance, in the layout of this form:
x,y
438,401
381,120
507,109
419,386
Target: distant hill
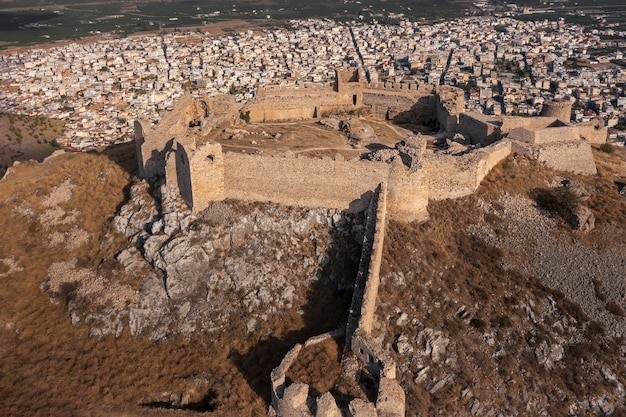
x,y
27,137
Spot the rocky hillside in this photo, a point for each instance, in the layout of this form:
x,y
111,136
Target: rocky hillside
x,y
504,304
507,302
149,308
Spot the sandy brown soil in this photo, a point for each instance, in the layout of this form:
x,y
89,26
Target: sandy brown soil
x,y
307,138
26,137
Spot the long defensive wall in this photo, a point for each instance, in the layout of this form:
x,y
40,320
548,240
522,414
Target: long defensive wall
x,y
204,174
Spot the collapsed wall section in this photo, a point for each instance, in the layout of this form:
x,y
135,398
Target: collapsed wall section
x,y
155,141
302,181
294,400
593,131
449,105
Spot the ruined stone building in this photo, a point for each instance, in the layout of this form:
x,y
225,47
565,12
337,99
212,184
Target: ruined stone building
x,y
398,186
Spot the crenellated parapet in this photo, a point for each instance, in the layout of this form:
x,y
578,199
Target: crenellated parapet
x,y
349,91
265,91
410,89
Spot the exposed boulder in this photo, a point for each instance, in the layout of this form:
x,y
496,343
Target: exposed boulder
x,y
138,213
327,407
183,274
331,122
582,219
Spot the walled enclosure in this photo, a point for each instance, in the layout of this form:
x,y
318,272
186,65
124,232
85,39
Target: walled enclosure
x,y
402,103
294,400
310,100
550,140
203,174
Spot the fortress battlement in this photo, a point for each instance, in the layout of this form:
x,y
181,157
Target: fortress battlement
x,y
349,92
295,88
407,88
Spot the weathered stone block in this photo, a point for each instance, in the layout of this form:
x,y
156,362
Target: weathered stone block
x,y
327,407
391,398
360,408
296,395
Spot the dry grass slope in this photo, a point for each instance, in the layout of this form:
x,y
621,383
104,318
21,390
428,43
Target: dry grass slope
x,y
50,367
496,315
27,137
476,292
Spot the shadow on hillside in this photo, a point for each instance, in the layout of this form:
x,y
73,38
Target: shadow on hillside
x,y
207,403
328,299
377,146
124,155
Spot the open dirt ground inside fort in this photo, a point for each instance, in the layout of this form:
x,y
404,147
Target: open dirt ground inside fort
x,y
307,138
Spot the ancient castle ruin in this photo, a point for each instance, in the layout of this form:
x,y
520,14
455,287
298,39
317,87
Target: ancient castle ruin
x,y
549,138
395,183
349,91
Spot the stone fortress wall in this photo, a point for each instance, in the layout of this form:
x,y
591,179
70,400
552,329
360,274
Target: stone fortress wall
x,y
303,181
400,102
306,101
550,138
205,174
399,189
454,177
294,400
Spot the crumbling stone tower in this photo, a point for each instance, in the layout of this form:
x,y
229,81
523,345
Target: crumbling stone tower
x,y
349,86
559,109
154,142
199,173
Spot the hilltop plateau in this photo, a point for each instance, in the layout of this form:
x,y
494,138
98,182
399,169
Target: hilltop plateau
x,y
495,305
